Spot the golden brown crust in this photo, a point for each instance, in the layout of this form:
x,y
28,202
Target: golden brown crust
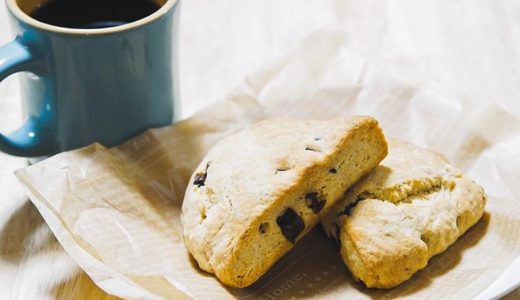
x,y
410,208
248,182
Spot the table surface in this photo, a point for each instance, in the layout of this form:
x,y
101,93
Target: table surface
x,y
33,265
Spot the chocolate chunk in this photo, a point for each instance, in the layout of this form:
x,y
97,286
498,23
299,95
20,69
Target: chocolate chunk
x,y
200,179
315,202
291,224
333,171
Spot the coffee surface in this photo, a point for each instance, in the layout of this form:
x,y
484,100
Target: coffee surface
x,y
91,14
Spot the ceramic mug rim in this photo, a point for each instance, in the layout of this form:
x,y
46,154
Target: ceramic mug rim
x,y
22,16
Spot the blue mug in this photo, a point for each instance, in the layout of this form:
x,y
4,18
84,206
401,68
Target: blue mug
x,y
81,86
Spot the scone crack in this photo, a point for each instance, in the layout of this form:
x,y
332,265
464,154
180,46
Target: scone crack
x,y
281,170
404,192
284,165
313,149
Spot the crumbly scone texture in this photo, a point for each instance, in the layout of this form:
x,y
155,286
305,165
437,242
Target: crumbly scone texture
x,y
408,209
259,191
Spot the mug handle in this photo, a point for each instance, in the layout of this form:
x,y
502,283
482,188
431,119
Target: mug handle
x,y
27,140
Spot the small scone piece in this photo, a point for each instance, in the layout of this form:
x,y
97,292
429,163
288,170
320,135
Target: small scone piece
x,y
408,209
259,191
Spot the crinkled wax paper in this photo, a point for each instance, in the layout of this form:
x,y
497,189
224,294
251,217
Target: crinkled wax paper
x,y
117,211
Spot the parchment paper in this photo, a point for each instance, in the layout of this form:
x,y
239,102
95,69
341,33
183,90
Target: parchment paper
x,y
116,211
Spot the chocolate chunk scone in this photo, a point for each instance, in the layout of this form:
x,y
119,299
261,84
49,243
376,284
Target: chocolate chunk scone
x,y
259,191
408,209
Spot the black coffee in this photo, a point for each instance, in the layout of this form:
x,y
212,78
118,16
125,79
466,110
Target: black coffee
x,y
90,14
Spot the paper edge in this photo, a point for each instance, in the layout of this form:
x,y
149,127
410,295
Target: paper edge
x,y
22,176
